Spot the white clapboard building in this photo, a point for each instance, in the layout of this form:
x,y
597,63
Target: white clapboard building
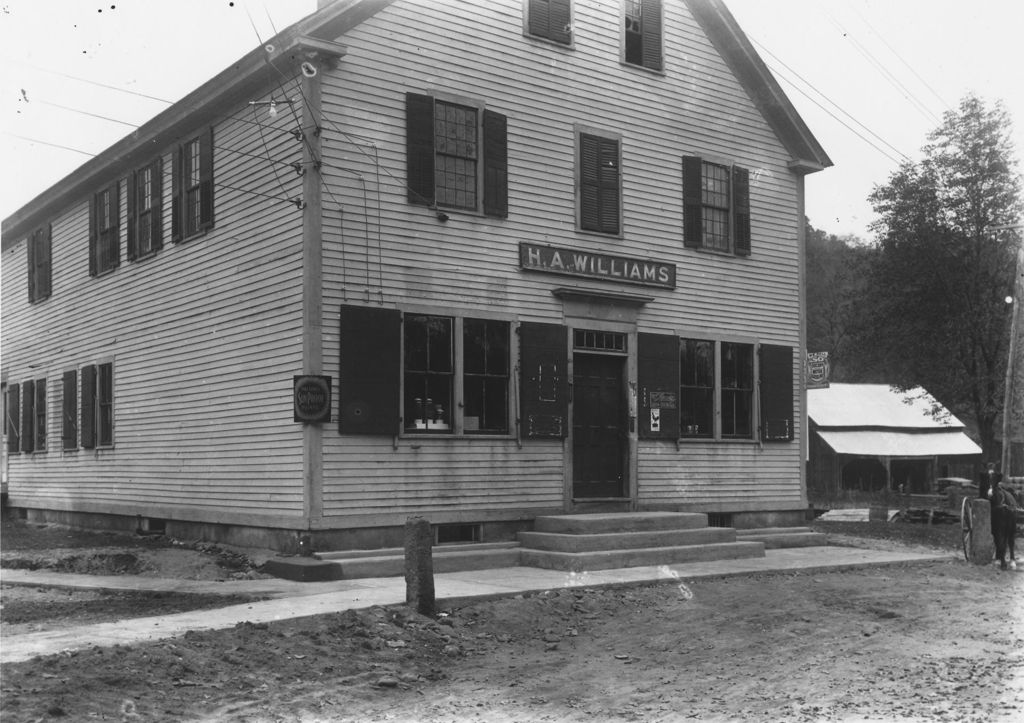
x,y
477,261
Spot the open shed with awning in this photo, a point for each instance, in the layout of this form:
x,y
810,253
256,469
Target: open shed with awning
x,y
875,437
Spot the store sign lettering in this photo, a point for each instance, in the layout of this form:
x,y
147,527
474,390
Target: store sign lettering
x,y
553,260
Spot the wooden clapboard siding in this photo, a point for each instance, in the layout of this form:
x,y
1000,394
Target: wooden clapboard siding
x,y
378,249
204,338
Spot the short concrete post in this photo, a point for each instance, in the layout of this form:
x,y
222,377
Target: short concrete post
x,y
982,550
419,566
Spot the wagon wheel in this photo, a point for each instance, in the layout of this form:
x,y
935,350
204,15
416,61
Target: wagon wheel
x,y
966,526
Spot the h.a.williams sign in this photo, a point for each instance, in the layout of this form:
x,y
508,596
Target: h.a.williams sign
x,y
569,262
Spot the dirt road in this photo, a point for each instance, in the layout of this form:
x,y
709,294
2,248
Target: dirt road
x,y
942,641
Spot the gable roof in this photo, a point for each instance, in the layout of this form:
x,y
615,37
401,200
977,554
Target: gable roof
x,y
883,421
315,34
766,93
878,406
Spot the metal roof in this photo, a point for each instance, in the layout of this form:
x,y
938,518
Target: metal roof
x,y
878,406
878,443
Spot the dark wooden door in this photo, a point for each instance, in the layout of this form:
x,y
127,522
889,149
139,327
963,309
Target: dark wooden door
x,y
599,427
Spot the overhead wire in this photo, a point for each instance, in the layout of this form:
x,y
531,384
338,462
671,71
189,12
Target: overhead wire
x,y
53,145
914,101
810,85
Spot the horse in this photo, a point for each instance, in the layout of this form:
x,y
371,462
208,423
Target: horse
x,y
1004,523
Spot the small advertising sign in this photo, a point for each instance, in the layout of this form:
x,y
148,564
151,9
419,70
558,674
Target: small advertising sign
x,y
817,370
312,399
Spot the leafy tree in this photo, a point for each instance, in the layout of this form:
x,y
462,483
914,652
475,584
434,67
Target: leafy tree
x,y
942,271
837,272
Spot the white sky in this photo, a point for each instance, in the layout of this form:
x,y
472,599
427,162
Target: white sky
x,y
870,77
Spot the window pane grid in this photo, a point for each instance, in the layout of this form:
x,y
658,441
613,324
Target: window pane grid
x,y
456,151
485,376
428,373
697,388
715,199
737,389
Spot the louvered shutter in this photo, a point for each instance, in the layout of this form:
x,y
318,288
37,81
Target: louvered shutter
x,y
495,164
369,371
28,422
776,393
419,148
44,284
88,425
206,180
545,382
33,242
69,409
133,215
93,234
651,14
177,199
540,18
658,382
741,211
13,420
560,19
599,184
693,216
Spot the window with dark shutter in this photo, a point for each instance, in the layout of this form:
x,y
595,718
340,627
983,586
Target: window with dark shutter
x,y
545,384
192,181
447,163
88,417
69,408
369,371
642,35
776,393
599,183
145,213
716,206
658,380
104,230
551,19
12,421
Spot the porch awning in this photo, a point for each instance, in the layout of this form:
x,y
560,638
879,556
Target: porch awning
x,y
874,443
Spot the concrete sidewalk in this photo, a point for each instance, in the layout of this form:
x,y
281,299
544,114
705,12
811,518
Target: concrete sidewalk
x,y
298,599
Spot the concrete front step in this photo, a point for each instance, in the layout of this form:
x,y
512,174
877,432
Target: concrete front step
x,y
614,522
612,559
561,542
390,562
775,538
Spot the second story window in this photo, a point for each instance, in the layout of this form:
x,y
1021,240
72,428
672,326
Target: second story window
x,y
145,205
642,36
40,269
599,184
716,206
550,19
456,156
192,181
104,230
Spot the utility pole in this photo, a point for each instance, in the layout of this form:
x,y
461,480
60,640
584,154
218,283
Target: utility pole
x,y
1013,400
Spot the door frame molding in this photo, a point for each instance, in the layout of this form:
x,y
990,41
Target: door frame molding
x,y
629,390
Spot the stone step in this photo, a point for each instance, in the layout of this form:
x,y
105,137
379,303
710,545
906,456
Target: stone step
x,y
561,542
775,538
611,522
400,551
612,559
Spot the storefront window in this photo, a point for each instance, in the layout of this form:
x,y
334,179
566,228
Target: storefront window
x,y
737,389
697,388
428,373
485,376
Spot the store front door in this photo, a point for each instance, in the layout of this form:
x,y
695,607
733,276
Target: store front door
x,y
599,427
